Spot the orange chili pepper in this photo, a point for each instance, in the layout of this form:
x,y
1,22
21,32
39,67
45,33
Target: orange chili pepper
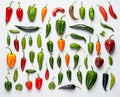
x,y
11,59
61,44
43,12
67,59
98,46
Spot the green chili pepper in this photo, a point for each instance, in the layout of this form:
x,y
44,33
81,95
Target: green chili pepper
x,y
86,62
79,75
69,74
60,26
76,60
90,46
107,26
19,87
32,11
52,85
8,84
50,46
48,28
112,82
40,57
30,41
75,46
110,60
31,56
23,42
8,40
14,31
76,36
91,13
60,77
39,41
51,61
59,61
102,33
30,71
82,11
15,75
82,27
91,78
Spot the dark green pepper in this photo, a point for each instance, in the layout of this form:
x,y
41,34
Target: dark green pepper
x,y
23,42
32,11
31,56
90,46
51,61
30,71
91,78
30,41
82,11
60,26
52,85
8,84
19,87
91,13
50,46
79,75
60,77
76,60
59,61
8,40
40,57
15,75
69,74
75,46
39,41
48,28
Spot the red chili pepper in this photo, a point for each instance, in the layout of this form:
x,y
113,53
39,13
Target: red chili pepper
x,y
38,82
111,11
16,44
23,61
28,84
57,9
103,12
9,12
47,73
19,12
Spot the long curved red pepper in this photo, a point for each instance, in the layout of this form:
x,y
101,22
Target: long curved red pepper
x,y
111,11
19,12
47,73
16,44
57,9
9,12
23,61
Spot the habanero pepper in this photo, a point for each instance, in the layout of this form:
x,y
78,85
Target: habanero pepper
x,y
23,61
11,59
50,46
82,11
19,12
60,26
69,74
23,42
8,84
61,44
8,40
9,12
43,13
90,46
48,28
38,82
31,56
76,60
47,74
29,83
79,75
51,61
59,61
60,77
16,44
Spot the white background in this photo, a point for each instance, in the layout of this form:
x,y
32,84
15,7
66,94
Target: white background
x,y
97,90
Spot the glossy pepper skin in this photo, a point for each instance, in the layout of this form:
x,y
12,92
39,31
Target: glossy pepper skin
x,y
19,12
47,74
51,61
50,46
60,26
90,46
9,12
8,84
76,60
11,59
61,44
43,13
91,13
32,11
82,11
23,61
31,56
79,75
30,41
29,84
16,44
48,28
91,78
58,9
38,82
40,57
60,77
59,61
69,74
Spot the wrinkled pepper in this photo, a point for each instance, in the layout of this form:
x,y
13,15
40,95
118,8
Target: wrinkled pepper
x,y
52,84
31,56
8,84
11,59
23,42
50,46
48,28
60,77
60,26
90,46
69,74
19,87
51,61
76,60
32,11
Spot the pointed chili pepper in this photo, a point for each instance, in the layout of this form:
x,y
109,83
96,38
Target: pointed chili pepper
x,y
23,42
8,40
79,75
59,61
60,77
110,59
67,59
9,12
69,74
30,41
38,82
43,13
90,46
69,87
50,46
29,83
15,75
98,46
61,44
48,28
82,11
47,74
31,56
16,44
112,81
23,61
11,59
51,61
76,60
19,12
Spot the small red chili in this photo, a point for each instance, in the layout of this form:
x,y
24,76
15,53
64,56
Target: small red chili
x,y
23,61
16,44
19,12
57,9
47,73
28,84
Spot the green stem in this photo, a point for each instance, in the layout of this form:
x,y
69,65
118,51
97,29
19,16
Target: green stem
x,y
38,75
74,2
11,3
92,68
62,17
23,53
33,5
107,69
18,4
10,50
49,20
110,36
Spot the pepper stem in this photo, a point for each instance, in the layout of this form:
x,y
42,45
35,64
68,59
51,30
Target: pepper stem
x,y
81,3
67,35
110,36
49,20
46,66
7,78
10,50
23,53
25,35
11,3
45,5
38,75
62,17
74,2
79,68
89,38
107,69
109,3
33,5
41,49
78,87
28,77
18,4
60,69
53,78
97,37
92,68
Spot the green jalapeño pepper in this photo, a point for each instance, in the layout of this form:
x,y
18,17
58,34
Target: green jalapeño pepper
x,y
90,46
30,41
8,84
31,56
32,11
23,42
48,28
91,78
60,26
8,40
59,61
69,74
91,13
79,75
60,77
51,61
50,46
82,11
76,60
40,57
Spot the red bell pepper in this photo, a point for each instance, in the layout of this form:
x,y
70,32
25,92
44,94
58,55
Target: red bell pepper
x,y
23,61
16,44
38,82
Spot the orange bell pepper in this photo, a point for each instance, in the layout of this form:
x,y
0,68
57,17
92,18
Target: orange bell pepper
x,y
61,44
11,59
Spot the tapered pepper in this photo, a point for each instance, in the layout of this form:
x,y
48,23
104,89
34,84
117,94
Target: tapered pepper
x,y
23,62
39,41
51,61
79,75
48,28
40,57
50,46
47,74
23,42
67,59
82,11
8,84
32,11
59,61
8,40
38,82
60,26
16,44
76,60
60,77
69,74
30,41
31,56
90,46
11,59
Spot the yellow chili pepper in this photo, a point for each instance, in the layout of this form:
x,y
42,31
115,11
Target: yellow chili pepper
x,y
11,58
